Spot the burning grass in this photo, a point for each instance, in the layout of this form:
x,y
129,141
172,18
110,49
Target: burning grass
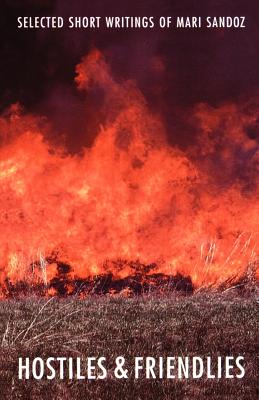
x,y
131,194
201,324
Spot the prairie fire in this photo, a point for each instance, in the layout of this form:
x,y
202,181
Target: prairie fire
x,y
131,204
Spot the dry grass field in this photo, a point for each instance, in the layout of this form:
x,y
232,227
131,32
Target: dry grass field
x,y
172,325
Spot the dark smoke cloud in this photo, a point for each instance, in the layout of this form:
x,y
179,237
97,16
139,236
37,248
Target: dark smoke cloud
x,y
174,69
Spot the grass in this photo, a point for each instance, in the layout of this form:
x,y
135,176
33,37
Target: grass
x,y
201,324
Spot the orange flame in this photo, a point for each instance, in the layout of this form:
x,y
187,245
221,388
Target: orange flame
x,y
130,196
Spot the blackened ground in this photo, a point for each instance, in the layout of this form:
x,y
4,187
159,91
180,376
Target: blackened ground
x,y
132,285
142,280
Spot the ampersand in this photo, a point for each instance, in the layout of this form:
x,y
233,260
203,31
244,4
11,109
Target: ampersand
x,y
119,371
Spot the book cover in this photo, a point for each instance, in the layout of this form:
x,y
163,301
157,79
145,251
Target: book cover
x,y
129,199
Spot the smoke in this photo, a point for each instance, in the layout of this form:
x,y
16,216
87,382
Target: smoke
x,y
198,66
